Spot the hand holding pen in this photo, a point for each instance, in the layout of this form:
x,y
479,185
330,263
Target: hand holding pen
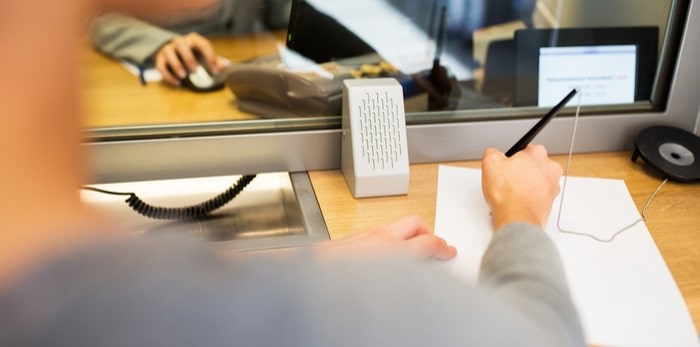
x,y
522,188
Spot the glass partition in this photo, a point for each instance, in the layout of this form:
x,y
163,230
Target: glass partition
x,y
490,66
454,58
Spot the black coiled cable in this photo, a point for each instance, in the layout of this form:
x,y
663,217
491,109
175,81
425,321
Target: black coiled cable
x,y
193,212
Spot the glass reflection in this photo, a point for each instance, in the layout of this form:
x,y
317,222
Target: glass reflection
x,y
288,57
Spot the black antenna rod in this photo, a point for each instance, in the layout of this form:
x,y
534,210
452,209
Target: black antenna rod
x,y
440,42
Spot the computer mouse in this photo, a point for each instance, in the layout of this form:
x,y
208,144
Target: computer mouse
x,y
201,81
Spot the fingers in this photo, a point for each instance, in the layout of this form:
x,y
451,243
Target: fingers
x,y
419,239
191,44
552,169
492,153
408,227
179,57
409,235
201,45
535,150
222,63
430,246
183,47
169,66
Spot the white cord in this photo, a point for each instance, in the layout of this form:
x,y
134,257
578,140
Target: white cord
x,y
563,190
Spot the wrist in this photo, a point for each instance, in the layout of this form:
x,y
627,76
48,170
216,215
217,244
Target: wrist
x,y
502,217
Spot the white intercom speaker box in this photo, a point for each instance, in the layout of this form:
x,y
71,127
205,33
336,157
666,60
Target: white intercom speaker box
x,y
374,157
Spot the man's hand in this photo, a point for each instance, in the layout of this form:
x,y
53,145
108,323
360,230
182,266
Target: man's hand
x,y
521,188
180,54
409,235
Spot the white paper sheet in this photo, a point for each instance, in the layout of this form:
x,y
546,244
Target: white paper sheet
x,y
624,292
149,75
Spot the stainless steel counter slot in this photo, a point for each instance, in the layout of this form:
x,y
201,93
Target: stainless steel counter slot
x,y
275,210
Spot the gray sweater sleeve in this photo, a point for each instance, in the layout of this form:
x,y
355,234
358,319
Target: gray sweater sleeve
x,y
128,38
172,292
522,266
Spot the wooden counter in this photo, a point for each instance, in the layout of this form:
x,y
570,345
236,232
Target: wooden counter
x,y
673,218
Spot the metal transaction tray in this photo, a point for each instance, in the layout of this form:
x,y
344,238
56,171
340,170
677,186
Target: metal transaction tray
x,y
275,210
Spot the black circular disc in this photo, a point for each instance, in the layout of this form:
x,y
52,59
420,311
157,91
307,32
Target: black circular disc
x,y
673,151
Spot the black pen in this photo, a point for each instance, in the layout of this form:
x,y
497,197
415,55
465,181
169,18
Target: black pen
x,y
530,135
142,74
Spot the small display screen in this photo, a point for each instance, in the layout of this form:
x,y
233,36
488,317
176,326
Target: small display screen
x,y
602,74
609,65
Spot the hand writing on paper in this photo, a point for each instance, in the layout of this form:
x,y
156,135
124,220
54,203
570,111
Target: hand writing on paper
x,y
521,188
